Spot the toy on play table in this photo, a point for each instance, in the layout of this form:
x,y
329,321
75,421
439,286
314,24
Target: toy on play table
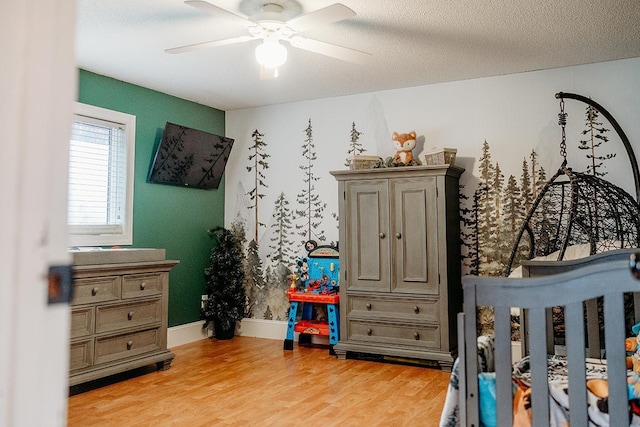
x,y
316,284
319,271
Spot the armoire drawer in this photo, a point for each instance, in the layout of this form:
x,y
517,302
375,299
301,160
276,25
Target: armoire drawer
x,y
410,309
114,317
141,285
421,336
80,354
96,289
112,348
82,322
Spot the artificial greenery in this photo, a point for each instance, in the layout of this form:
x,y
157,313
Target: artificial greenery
x,y
225,276
390,162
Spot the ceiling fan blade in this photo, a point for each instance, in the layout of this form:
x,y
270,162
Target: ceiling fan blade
x,y
332,50
317,18
214,43
216,10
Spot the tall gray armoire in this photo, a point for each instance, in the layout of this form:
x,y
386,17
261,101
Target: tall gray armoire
x,y
399,246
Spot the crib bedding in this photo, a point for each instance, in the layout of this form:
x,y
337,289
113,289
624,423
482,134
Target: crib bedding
x,y
597,391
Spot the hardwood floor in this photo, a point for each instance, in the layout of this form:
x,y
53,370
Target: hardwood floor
x,y
254,382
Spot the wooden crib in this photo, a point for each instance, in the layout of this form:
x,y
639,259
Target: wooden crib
x,y
610,276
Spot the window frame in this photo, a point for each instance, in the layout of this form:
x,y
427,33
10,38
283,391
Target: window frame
x,y
75,235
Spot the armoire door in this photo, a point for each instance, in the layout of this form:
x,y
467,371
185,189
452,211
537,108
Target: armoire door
x,y
414,235
367,235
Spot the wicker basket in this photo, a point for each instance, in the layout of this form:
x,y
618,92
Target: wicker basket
x,y
440,156
362,162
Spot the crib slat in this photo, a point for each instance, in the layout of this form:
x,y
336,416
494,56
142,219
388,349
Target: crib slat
x,y
616,366
470,399
538,362
462,370
574,328
504,394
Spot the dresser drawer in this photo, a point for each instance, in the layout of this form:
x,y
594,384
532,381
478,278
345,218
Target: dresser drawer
x,y
112,348
409,309
120,316
80,354
416,336
96,289
140,285
81,322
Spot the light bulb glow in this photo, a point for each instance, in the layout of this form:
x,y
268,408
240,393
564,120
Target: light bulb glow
x,y
271,54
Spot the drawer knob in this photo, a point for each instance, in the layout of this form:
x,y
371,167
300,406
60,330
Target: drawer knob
x,y
416,336
398,235
368,306
416,309
143,285
94,291
382,235
369,331
129,345
130,315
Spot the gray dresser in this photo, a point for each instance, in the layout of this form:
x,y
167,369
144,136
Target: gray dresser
x,y
400,285
118,312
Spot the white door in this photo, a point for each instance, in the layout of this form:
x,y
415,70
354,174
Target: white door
x,y
37,83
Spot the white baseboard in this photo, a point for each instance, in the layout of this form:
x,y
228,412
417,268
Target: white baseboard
x,y
184,334
259,328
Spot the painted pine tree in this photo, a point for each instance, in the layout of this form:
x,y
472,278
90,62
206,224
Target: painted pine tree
x,y
255,280
595,136
239,232
512,219
487,214
282,245
468,234
526,188
258,159
309,200
355,147
535,183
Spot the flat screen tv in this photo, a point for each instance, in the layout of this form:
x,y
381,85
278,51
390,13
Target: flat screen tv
x,y
190,158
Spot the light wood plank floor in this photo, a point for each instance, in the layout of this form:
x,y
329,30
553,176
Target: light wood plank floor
x,y
254,382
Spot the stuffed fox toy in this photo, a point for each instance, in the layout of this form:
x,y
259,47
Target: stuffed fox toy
x,y
404,143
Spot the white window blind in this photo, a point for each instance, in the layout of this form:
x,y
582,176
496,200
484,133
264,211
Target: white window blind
x,y
100,177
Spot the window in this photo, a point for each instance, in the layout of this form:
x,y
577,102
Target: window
x,y
100,206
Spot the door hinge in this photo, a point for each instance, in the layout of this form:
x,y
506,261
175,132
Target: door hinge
x,y
436,191
344,195
438,278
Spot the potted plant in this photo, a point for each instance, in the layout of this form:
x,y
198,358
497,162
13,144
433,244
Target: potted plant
x,y
225,305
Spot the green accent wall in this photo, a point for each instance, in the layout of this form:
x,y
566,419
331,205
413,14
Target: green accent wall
x,y
172,218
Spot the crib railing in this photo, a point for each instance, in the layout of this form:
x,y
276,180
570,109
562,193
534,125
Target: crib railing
x,y
609,280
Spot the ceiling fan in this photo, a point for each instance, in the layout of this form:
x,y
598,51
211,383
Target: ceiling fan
x,y
269,26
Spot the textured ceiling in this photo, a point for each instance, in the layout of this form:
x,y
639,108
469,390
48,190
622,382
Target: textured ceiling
x,y
413,42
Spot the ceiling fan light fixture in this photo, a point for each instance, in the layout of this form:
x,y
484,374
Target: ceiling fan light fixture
x,y
271,54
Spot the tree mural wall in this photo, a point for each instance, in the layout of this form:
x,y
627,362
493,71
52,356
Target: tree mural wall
x,y
492,210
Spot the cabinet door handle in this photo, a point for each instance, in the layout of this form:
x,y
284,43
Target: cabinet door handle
x,y
143,285
416,309
369,331
398,236
130,315
416,336
382,235
129,345
94,291
368,306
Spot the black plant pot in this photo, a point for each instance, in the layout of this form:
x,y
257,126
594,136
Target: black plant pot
x,y
223,333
